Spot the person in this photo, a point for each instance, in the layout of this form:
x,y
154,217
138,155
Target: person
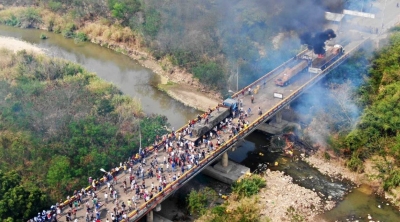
x,y
259,111
248,111
252,98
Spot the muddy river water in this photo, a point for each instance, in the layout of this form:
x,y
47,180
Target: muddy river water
x,y
139,82
129,76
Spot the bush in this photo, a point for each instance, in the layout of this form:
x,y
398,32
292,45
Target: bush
x,y
80,37
68,32
248,186
199,201
327,156
43,36
30,18
392,181
210,73
55,6
12,21
355,164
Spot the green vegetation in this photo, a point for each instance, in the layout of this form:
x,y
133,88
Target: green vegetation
x,y
18,200
242,204
59,125
249,186
377,132
43,36
200,201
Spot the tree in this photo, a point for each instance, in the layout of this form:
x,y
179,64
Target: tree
x,y
60,175
124,9
200,201
17,202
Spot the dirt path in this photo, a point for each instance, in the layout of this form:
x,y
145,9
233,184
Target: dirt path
x,y
18,45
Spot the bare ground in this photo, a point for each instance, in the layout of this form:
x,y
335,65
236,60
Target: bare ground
x,y
191,96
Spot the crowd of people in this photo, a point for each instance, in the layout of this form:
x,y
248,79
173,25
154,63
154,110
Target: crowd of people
x,y
149,171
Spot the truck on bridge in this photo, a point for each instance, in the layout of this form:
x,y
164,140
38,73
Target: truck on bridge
x,y
284,78
316,65
226,109
331,55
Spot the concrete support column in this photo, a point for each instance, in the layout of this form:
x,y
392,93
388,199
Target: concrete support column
x,y
225,159
278,117
149,216
157,208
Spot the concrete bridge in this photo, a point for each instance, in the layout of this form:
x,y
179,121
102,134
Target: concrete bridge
x,y
271,99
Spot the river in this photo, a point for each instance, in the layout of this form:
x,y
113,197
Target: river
x,y
354,203
128,75
139,82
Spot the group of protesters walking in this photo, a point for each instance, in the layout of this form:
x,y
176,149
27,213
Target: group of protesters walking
x,y
150,170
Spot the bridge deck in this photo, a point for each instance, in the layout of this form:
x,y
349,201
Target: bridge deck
x,y
263,99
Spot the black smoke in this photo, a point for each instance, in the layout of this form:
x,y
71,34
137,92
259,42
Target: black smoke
x,y
317,41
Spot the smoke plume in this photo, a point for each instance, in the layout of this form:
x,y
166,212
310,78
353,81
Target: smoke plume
x,y
317,41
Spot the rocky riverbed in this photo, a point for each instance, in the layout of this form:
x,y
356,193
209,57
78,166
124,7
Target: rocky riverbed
x,y
282,199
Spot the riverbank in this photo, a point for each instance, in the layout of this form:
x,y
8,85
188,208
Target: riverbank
x,y
176,82
336,167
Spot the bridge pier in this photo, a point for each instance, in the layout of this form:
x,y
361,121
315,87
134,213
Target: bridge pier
x,y
225,170
278,117
157,208
149,216
225,159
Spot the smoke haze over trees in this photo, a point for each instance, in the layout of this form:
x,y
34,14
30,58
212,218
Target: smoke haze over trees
x,y
209,38
228,33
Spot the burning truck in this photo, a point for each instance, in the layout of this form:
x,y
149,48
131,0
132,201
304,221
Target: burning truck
x,y
325,57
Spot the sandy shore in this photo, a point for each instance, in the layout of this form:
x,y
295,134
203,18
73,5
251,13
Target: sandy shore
x,y
18,45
